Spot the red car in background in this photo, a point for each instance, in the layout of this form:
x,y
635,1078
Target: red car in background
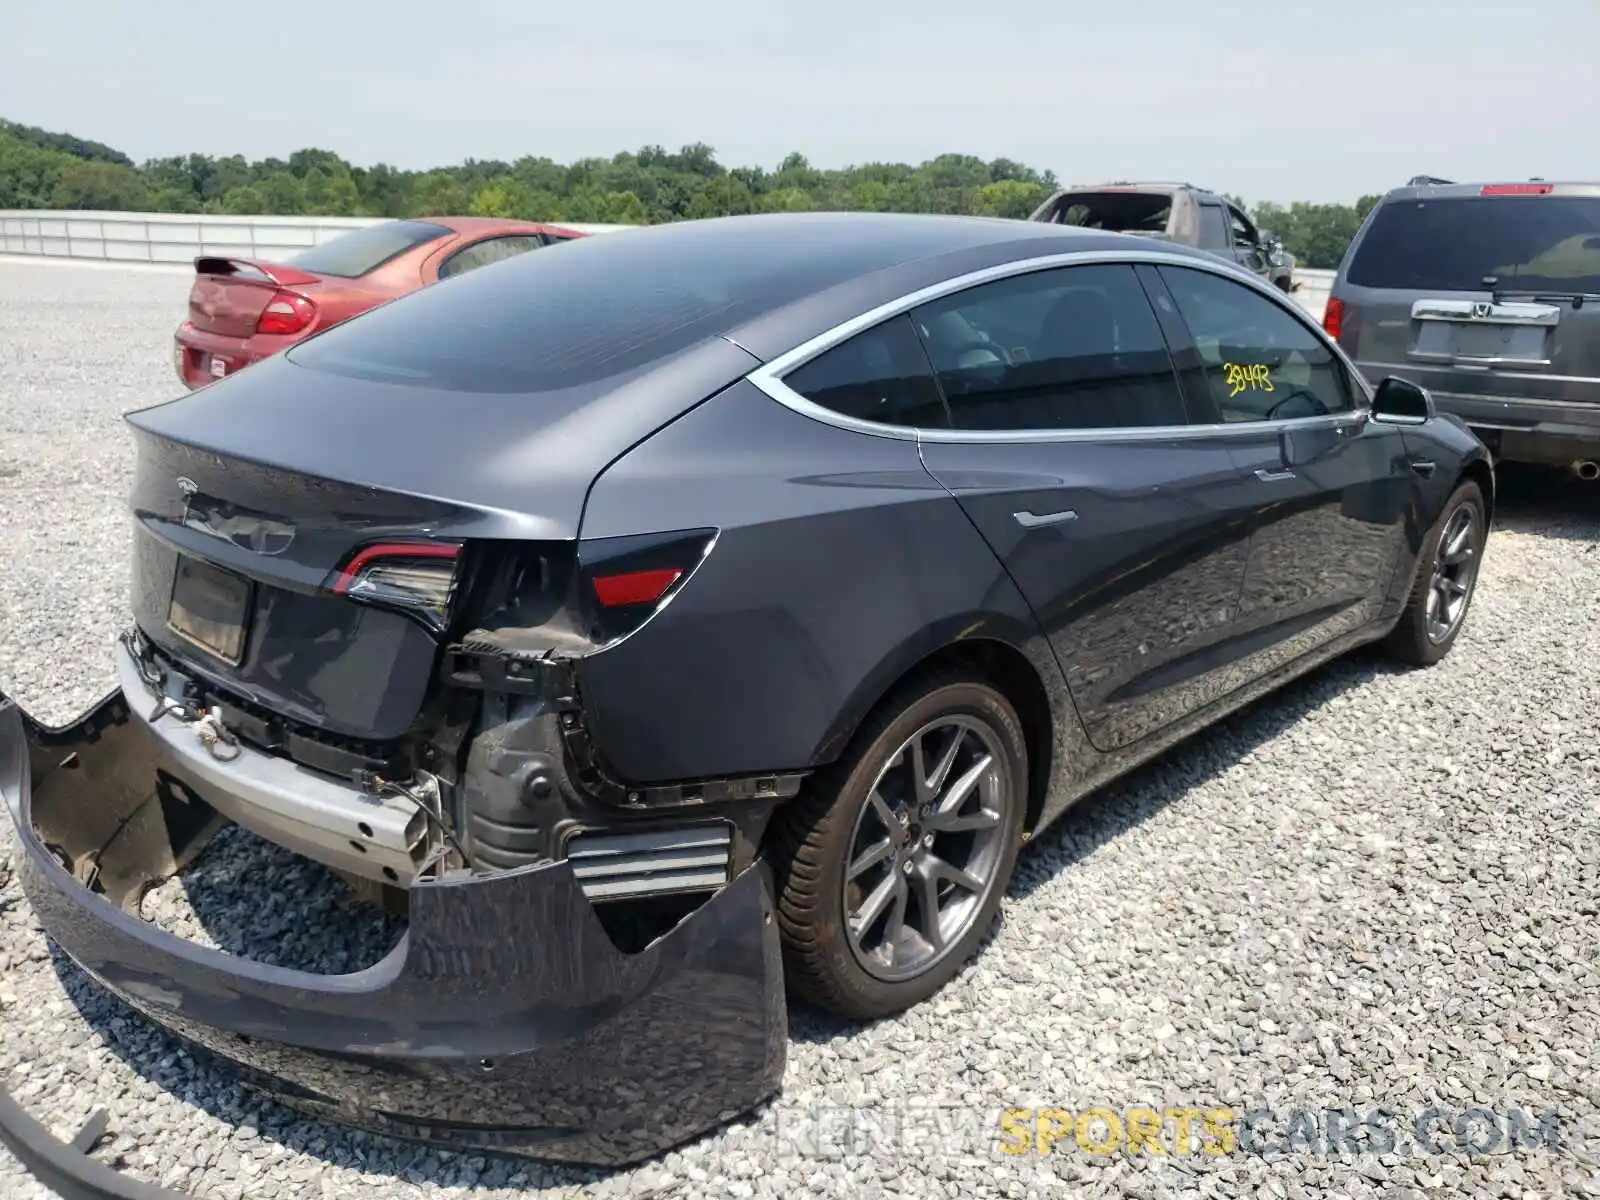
x,y
244,309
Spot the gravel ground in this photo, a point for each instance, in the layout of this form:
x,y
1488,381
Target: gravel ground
x,y
1377,888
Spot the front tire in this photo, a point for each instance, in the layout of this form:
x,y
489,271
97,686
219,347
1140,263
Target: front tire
x,y
891,865
1447,577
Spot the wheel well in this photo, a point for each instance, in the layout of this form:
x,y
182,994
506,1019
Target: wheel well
x,y
1010,672
1478,471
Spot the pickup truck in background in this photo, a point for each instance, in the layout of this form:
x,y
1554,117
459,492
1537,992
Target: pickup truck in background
x,y
1174,212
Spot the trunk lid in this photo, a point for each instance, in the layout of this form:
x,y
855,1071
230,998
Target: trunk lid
x,y
279,474
230,294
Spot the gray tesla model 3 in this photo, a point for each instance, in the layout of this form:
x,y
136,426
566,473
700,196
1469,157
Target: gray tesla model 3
x,y
676,620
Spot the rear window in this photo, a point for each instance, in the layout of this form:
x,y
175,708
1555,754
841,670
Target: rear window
x,y
361,250
604,307
1116,212
1518,243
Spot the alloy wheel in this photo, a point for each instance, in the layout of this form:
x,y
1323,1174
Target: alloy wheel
x,y
927,846
1455,570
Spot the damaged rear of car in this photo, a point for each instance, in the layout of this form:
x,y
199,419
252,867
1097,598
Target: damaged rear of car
x,y
358,632
502,602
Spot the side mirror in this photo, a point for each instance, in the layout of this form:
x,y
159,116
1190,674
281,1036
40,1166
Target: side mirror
x,y
1401,402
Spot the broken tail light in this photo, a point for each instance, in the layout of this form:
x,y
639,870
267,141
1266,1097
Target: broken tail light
x,y
624,581
418,578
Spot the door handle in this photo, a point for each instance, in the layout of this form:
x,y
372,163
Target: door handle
x,y
1030,520
1423,467
1267,476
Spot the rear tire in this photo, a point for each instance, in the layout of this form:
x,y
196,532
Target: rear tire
x,y
1447,577
863,848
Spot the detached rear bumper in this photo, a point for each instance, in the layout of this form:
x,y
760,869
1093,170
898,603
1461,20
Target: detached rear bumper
x,y
506,1019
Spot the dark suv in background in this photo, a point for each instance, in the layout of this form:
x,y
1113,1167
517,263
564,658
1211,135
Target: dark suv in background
x,y
1174,212
1489,296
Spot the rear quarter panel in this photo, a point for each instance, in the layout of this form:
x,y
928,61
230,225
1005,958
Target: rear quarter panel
x,y
840,564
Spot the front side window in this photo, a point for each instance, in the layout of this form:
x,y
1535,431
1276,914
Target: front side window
x,y
878,375
1070,348
1260,363
481,254
1244,233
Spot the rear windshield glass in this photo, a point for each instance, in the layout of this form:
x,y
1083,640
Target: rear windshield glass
x,y
1116,212
1518,243
599,307
361,250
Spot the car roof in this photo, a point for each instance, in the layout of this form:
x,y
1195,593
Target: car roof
x,y
478,225
1443,191
630,304
1147,187
836,247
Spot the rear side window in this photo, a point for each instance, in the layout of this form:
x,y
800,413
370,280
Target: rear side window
x,y
1116,212
1213,227
1260,362
354,254
481,254
881,375
1071,348
1475,243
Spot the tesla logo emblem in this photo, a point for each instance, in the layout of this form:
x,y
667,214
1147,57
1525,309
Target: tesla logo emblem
x,y
1480,310
188,487
258,534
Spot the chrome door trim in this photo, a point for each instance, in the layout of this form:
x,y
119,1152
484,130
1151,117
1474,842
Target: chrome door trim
x,y
1426,366
768,377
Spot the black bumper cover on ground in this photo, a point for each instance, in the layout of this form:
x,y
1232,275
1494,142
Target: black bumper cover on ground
x,y
506,1019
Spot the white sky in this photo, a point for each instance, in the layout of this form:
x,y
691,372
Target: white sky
x,y
1269,100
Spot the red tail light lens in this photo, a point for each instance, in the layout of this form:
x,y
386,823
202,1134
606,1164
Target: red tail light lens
x,y
286,313
626,580
1333,317
1517,189
635,587
416,577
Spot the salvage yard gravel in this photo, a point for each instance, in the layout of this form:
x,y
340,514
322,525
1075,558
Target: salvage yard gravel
x,y
1376,889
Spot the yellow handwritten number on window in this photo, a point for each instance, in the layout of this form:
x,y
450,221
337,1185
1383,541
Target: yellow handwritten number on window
x,y
1247,377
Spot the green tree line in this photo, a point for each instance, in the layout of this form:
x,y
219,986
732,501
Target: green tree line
x,y
39,169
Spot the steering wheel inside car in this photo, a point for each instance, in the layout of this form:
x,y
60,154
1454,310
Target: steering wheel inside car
x,y
1322,409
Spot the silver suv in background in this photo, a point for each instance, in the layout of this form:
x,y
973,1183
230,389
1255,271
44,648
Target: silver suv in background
x,y
1488,295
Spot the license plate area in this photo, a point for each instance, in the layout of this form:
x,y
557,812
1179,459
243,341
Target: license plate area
x,y
210,608
219,367
1500,343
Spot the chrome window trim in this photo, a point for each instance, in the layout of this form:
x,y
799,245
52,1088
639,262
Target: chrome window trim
x,y
768,377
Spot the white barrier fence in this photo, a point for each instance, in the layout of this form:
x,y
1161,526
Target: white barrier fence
x,y
178,238
175,238
1314,287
